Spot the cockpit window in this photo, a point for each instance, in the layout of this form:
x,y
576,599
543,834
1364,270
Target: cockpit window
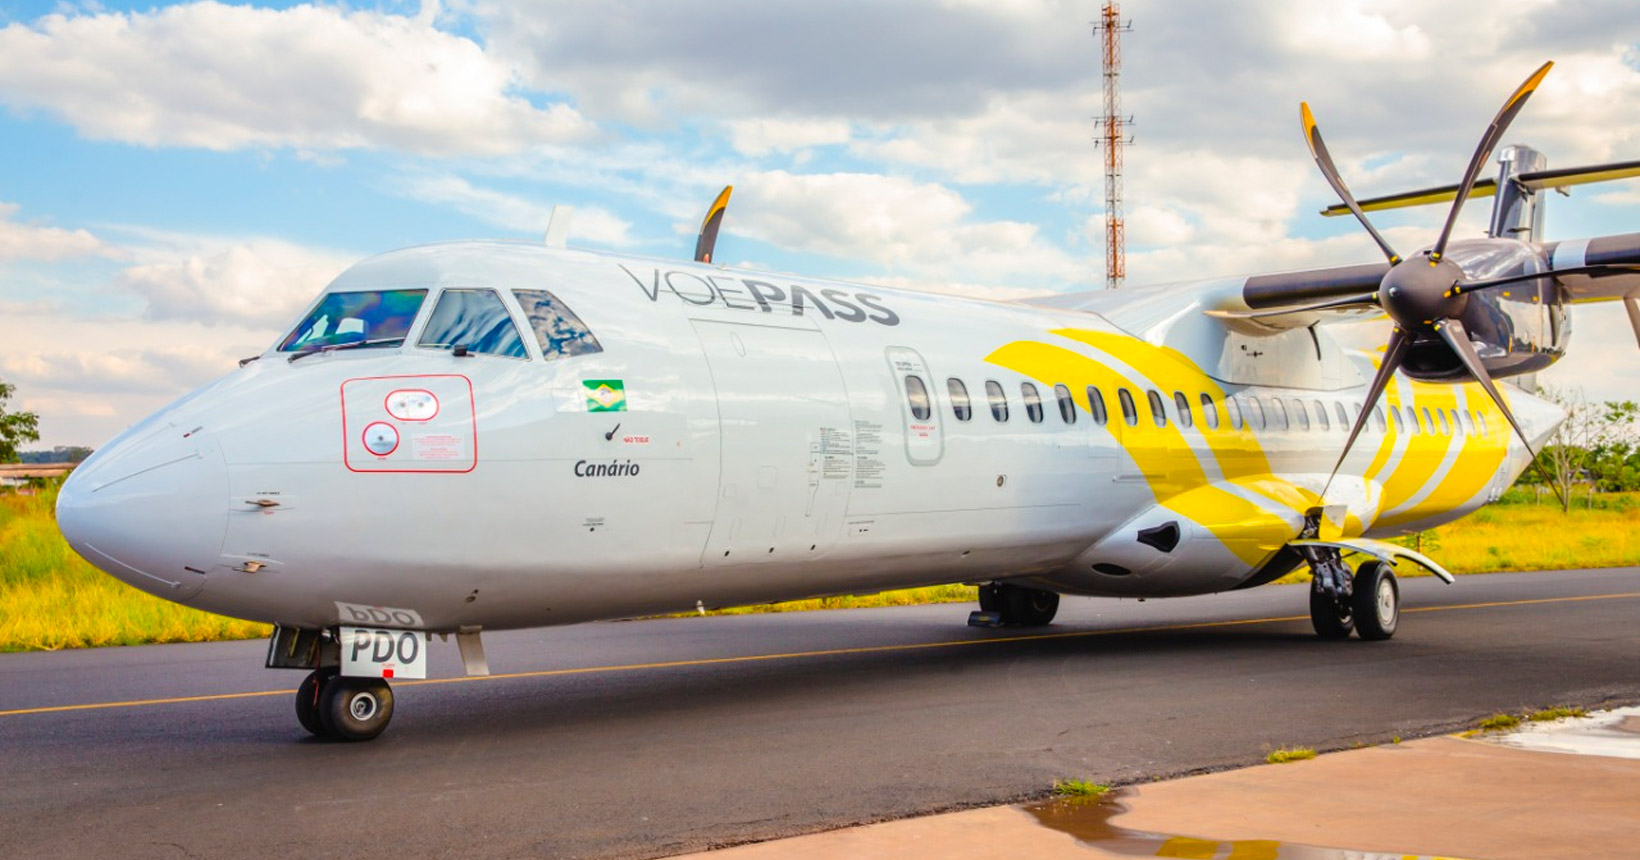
x,y
370,318
475,319
559,331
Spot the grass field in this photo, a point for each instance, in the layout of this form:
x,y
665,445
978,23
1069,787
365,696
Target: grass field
x,y
50,598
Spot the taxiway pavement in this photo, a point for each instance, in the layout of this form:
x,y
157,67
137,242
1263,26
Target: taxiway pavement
x,y
640,739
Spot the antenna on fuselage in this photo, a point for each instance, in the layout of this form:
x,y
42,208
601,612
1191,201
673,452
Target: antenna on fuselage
x,y
558,226
709,226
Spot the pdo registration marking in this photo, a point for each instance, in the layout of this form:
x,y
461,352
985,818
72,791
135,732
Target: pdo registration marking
x,y
369,652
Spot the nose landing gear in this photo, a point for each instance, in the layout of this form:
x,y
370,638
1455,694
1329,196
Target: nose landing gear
x,y
335,707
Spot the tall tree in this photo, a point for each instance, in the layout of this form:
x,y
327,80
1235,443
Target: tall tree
x,y
16,428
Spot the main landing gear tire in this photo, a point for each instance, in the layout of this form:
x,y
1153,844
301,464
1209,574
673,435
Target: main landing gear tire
x,y
1331,618
354,709
1019,606
1377,601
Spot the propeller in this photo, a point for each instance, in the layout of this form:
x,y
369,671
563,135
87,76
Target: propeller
x,y
1426,296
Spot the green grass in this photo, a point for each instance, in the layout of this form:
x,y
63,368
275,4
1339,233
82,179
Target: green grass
x,y
1285,755
50,598
1498,723
1559,713
1078,788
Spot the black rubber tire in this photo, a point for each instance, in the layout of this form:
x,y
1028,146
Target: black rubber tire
x,y
1330,620
990,597
355,709
307,702
1377,600
1027,607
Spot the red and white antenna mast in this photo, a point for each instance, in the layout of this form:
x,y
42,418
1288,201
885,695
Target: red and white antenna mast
x,y
1113,136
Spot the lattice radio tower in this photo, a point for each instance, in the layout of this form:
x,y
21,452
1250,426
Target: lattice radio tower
x,y
1113,135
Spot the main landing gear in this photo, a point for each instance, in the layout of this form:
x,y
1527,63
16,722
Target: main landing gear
x,y
1368,603
335,707
1016,605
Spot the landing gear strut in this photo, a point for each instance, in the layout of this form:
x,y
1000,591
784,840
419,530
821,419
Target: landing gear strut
x,y
1368,603
1017,605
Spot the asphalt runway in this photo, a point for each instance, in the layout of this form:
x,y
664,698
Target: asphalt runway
x,y
641,739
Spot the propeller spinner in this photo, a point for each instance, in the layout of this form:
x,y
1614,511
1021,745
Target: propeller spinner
x,y
1426,295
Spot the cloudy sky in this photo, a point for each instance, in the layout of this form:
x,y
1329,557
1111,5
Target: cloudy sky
x,y
179,179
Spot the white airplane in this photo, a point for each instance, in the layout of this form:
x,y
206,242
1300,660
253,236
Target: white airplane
x,y
479,436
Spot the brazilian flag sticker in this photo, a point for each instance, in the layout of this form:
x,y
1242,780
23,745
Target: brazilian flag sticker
x,y
604,395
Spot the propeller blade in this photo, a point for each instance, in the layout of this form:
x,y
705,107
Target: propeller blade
x,y
1476,286
1394,352
1323,160
707,241
1489,140
1452,331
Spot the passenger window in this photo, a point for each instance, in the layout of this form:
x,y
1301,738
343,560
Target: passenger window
x,y
1210,413
1067,406
1457,427
917,395
558,330
1321,416
1130,413
1299,413
1182,403
1378,417
1481,418
1446,429
999,400
1395,414
959,399
475,320
1033,402
1412,420
1232,405
1096,405
1158,412
1343,416
1260,420
1279,414
1429,423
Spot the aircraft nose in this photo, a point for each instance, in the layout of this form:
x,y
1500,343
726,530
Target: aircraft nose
x,y
150,510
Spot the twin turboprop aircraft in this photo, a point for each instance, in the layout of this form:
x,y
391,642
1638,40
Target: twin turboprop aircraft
x,y
484,435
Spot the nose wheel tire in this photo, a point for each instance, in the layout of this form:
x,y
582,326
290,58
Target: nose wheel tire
x,y
355,709
1331,618
307,702
1377,599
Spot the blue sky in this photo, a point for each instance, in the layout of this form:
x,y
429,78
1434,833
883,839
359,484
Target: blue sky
x,y
179,179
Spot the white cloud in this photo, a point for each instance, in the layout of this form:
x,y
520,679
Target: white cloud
x,y
215,76
591,224
260,283
50,244
761,136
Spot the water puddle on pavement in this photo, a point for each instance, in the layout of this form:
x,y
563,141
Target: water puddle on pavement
x,y
1088,820
1614,733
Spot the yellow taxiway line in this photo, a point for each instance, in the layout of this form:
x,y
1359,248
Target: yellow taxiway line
x,y
797,655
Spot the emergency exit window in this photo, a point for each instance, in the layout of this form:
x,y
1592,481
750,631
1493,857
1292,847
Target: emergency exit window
x,y
917,395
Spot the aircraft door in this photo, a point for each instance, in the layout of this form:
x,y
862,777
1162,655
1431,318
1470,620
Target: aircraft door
x,y
919,410
787,456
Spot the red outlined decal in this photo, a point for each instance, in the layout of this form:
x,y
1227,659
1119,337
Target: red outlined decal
x,y
444,443
411,404
380,438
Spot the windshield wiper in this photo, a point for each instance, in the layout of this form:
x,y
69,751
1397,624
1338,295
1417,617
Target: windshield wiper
x,y
352,344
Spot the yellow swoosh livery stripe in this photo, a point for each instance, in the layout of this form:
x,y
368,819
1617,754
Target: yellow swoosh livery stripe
x,y
1416,474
